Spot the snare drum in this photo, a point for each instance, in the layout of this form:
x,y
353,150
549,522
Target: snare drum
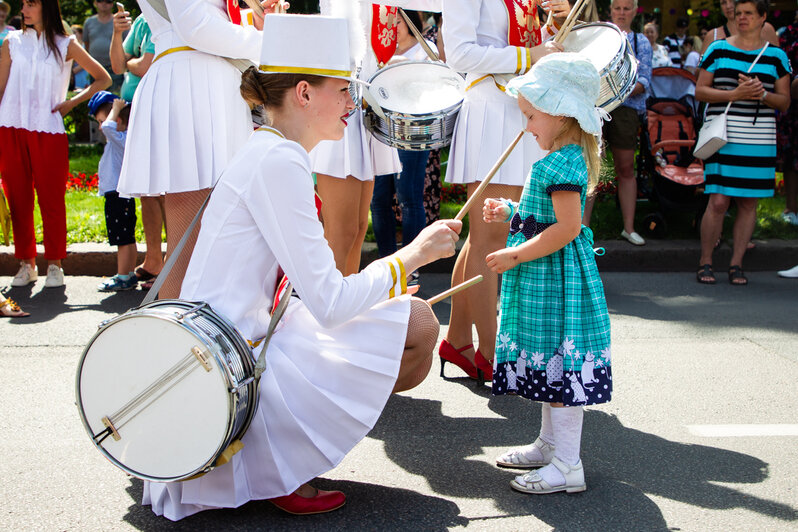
x,y
420,99
612,55
163,390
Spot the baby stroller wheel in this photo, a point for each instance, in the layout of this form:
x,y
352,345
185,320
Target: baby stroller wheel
x,y
654,225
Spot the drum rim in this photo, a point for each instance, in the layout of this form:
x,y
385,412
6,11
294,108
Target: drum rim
x,y
230,434
612,65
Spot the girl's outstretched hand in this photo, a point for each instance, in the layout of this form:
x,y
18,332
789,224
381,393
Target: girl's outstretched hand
x,y
495,210
502,260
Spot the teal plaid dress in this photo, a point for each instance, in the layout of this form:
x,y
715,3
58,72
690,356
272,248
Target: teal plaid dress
x,y
553,342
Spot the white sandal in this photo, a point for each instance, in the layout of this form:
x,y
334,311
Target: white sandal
x,y
519,458
532,482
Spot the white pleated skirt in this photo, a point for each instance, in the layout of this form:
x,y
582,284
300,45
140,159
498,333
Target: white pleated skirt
x,y
358,154
488,122
322,392
187,121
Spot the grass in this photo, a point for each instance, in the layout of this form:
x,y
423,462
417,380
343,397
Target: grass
x,y
86,219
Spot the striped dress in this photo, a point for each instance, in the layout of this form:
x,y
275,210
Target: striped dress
x,y
746,166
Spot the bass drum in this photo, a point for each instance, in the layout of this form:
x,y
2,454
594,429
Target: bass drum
x,y
163,390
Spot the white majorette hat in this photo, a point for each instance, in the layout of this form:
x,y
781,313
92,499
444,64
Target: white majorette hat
x,y
563,84
305,44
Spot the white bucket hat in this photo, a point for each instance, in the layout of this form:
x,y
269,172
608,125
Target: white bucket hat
x,y
563,84
306,44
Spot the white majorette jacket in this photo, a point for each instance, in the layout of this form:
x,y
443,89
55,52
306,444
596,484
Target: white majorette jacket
x,y
490,41
188,117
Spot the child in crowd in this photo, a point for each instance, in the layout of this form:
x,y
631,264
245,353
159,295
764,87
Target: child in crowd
x,y
553,340
81,77
120,213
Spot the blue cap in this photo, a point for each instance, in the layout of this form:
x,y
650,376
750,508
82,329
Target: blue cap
x,y
98,99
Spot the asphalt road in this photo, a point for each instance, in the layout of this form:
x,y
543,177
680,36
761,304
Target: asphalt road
x,y
702,433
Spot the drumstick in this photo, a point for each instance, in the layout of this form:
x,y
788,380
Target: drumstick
x,y
453,290
464,210
255,6
570,21
417,34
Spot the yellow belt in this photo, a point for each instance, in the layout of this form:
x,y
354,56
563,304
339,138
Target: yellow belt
x,y
486,76
173,50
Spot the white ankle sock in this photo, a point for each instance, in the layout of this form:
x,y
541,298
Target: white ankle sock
x,y
546,432
567,425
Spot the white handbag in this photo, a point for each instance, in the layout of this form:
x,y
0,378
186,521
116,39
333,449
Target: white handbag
x,y
712,135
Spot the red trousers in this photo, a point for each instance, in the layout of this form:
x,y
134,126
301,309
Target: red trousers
x,y
31,160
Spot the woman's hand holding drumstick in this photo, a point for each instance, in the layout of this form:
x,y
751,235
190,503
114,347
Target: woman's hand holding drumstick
x,y
261,9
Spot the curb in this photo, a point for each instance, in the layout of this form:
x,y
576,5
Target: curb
x,y
96,259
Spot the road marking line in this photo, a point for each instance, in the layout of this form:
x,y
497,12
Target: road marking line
x,y
727,431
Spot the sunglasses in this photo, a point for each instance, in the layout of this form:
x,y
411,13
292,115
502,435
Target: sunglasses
x,y
105,1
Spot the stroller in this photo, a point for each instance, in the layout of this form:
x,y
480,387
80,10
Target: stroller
x,y
668,173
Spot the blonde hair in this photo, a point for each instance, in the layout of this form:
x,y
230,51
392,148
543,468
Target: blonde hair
x,y
591,149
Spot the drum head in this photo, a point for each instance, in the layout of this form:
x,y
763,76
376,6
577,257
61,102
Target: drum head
x,y
178,428
417,87
599,42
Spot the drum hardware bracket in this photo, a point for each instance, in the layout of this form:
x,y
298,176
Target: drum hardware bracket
x,y
241,384
114,434
220,340
192,310
202,356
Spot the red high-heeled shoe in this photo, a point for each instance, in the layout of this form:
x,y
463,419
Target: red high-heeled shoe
x,y
449,353
322,502
484,368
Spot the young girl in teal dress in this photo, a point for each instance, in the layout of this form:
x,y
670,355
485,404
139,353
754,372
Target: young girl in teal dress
x,y
553,341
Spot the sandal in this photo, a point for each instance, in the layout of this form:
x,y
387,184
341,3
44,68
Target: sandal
x,y
520,458
532,482
9,309
737,277
705,275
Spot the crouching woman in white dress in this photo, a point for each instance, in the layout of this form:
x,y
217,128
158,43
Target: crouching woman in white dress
x,y
348,342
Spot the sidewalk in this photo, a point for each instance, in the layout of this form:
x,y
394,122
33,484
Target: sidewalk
x,y
656,256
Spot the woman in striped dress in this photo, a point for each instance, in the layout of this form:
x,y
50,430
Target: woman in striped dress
x,y
745,168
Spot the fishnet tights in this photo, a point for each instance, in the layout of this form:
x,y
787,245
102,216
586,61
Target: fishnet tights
x,y
180,210
422,335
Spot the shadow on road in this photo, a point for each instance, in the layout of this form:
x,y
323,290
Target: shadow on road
x,y
49,303
679,298
623,466
368,506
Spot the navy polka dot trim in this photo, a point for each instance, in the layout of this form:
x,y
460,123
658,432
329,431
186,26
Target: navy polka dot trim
x,y
564,186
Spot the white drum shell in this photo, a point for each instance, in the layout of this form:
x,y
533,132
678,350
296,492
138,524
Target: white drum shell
x,y
612,55
190,422
420,99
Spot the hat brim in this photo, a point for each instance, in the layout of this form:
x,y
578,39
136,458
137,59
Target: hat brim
x,y
588,118
323,72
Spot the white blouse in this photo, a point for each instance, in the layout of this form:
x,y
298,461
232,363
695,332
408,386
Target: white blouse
x,y
37,82
261,217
